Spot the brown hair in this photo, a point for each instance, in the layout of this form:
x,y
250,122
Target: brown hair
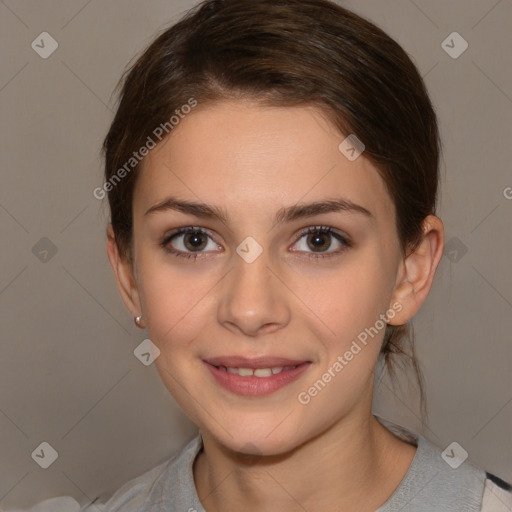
x,y
288,53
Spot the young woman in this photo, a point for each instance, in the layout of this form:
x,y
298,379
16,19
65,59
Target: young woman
x,y
272,174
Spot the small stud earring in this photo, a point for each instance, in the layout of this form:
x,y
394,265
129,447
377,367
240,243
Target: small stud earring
x,y
138,321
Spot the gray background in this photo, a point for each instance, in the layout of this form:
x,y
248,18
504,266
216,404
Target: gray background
x,y
68,375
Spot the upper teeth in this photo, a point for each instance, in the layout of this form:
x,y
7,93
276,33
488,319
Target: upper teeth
x,y
258,372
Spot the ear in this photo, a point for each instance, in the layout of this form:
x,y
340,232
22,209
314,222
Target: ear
x,y
123,271
417,271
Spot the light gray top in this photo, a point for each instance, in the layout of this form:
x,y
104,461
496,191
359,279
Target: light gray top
x,y
430,484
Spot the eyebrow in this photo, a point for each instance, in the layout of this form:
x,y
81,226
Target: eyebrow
x,y
285,214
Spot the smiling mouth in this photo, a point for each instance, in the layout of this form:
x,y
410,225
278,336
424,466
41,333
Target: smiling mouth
x,y
255,376
256,372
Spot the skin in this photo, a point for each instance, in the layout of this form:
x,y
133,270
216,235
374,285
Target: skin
x,y
252,160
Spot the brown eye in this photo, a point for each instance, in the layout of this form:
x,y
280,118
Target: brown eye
x,y
189,242
195,241
319,239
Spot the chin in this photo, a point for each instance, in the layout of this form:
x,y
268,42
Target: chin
x,y
262,440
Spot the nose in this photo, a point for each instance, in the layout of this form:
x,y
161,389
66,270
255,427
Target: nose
x,y
254,300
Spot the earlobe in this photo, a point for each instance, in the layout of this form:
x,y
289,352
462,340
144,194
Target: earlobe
x,y
417,271
124,275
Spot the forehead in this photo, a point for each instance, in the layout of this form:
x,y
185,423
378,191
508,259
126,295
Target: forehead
x,y
243,156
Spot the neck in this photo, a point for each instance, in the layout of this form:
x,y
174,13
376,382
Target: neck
x,y
353,466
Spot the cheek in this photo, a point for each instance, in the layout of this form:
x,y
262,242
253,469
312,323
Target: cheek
x,y
342,302
176,309
175,305
349,305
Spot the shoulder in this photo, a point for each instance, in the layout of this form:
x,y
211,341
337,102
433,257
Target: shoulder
x,y
131,496
497,495
144,491
169,486
444,480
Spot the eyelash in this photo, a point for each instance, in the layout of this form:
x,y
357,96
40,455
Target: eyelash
x,y
311,230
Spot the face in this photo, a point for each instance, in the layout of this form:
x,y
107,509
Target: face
x,y
264,283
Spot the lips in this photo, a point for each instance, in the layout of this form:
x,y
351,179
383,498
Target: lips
x,y
253,363
257,376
